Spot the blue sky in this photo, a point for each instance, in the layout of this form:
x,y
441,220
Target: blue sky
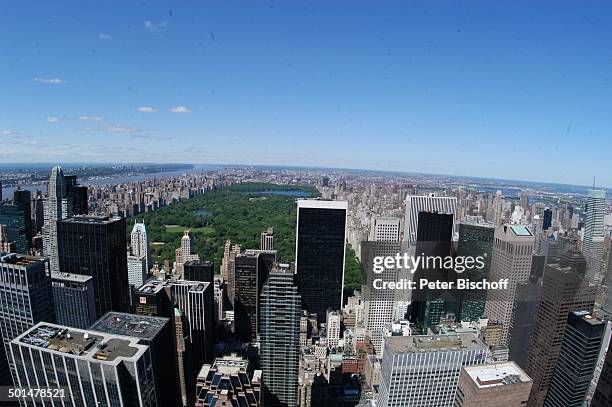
x,y
508,90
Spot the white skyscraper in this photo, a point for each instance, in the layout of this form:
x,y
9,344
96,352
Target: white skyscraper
x,y
427,203
386,229
593,241
424,370
141,247
333,328
55,209
512,254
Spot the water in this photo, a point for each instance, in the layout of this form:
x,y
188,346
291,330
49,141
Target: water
x,y
202,212
292,192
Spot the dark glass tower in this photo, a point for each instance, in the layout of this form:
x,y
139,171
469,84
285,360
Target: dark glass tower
x,y
280,338
320,246
13,216
74,299
603,392
577,360
95,246
23,198
199,270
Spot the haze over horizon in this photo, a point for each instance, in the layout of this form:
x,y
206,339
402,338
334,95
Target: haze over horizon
x,y
520,92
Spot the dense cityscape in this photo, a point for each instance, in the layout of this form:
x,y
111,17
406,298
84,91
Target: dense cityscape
x,y
94,307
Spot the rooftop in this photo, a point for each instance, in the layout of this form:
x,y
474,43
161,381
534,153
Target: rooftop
x,y
139,326
84,344
500,374
101,220
320,203
424,343
20,259
76,278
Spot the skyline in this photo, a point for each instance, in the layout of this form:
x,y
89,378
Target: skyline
x,y
460,89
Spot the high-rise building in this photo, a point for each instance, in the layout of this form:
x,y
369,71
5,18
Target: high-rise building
x,y
13,217
475,239
512,255
424,370
428,203
386,229
603,392
95,246
23,199
333,328
497,385
25,297
137,270
229,381
140,244
92,367
320,247
564,289
266,239
577,360
74,299
592,244
227,267
280,337
185,253
199,270
184,358
56,208
156,333
547,219
76,195
6,245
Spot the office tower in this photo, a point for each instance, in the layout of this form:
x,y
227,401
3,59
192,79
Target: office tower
x,y
0,191
23,199
154,298
74,299
199,270
157,334
137,270
6,245
424,370
577,360
333,328
227,267
94,368
512,255
55,209
38,212
435,231
12,216
25,296
564,289
526,303
184,358
386,229
280,337
76,195
320,247
185,253
196,300
229,381
592,244
497,385
475,239
429,203
95,246
495,211
140,244
266,239
603,392
547,219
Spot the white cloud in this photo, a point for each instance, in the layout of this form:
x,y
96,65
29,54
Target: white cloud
x,y
103,36
92,118
180,109
151,26
8,133
52,119
119,129
146,109
51,81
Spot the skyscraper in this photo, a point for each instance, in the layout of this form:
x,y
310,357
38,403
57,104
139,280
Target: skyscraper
x,y
23,199
547,219
199,270
95,246
74,299
428,203
577,360
280,337
475,239
386,229
185,253
56,209
498,385
13,217
76,195
266,239
320,247
140,244
424,370
25,297
94,368
592,245
512,255
603,392
158,335
564,289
